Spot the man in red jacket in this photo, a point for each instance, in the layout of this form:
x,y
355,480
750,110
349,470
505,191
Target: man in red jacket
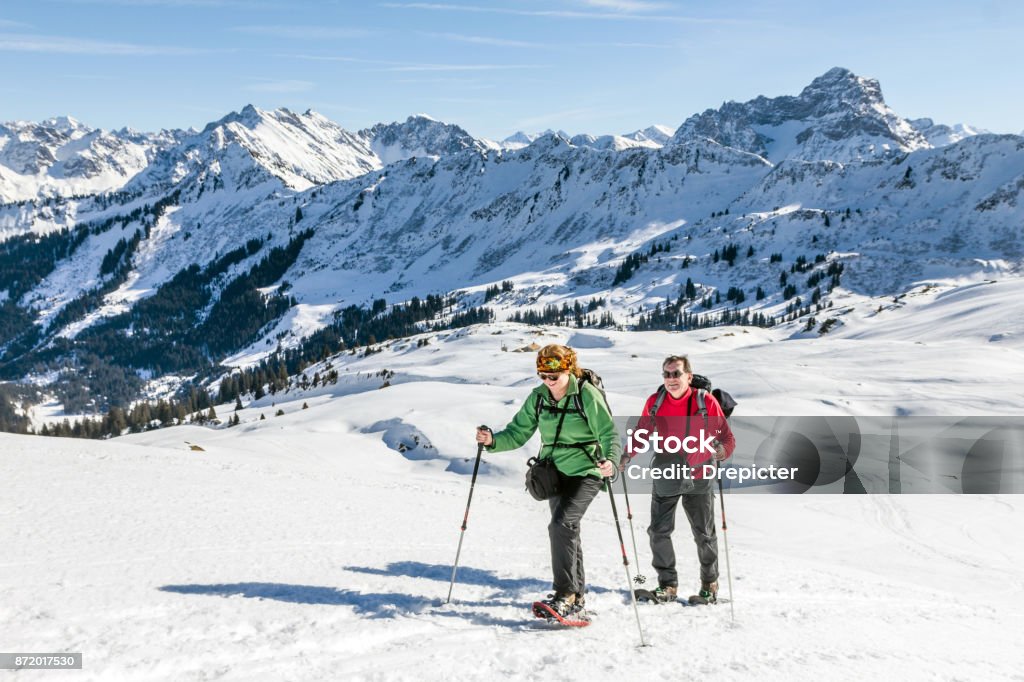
x,y
679,415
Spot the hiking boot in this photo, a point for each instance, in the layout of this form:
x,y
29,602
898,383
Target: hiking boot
x,y
708,593
581,601
563,604
665,593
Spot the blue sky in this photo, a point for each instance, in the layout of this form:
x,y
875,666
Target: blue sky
x,y
597,66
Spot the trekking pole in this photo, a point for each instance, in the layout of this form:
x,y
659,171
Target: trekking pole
x,y
639,579
725,536
625,560
465,518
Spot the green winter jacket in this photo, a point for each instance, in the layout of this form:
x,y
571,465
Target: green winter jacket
x,y
571,461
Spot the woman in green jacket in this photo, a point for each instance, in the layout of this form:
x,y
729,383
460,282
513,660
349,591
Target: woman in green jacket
x,y
578,433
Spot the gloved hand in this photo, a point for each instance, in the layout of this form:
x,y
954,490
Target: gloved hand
x,y
719,451
624,461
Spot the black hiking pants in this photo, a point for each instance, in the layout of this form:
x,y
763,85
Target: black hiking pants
x,y
700,511
567,509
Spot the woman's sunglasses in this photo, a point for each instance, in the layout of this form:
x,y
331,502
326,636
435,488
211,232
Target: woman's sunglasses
x,y
674,374
548,377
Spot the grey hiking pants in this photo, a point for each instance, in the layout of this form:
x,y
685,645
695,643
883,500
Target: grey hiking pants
x,y
567,509
700,511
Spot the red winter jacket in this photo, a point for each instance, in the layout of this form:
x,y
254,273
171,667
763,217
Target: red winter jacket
x,y
671,420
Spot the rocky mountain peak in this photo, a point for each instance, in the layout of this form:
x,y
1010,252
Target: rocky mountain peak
x,y
842,86
839,116
418,135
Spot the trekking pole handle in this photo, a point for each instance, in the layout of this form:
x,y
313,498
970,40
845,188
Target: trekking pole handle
x,y
615,470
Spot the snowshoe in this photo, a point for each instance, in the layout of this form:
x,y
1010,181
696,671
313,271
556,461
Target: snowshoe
x,y
707,595
661,595
562,608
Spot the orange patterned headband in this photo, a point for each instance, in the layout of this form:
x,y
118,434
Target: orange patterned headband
x,y
552,364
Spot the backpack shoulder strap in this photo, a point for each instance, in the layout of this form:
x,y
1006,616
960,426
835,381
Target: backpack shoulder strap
x,y
577,402
576,406
657,402
702,405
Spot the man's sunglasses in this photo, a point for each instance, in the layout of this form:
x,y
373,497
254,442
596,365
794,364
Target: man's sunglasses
x,y
674,374
548,377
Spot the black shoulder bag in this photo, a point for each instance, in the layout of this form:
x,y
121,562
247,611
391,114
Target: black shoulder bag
x,y
542,478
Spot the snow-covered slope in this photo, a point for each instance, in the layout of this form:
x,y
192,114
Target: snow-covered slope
x,y
420,135
253,146
312,552
652,137
318,544
950,349
939,135
63,157
658,135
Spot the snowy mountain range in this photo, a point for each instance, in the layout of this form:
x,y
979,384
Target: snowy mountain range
x,y
63,157
824,196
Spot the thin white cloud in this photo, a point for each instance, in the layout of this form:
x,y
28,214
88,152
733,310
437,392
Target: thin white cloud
x,y
12,42
336,58
303,32
502,42
280,86
485,40
558,14
489,101
641,46
461,67
238,4
384,65
456,83
91,77
626,5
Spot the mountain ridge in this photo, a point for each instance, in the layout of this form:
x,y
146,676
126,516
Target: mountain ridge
x,y
329,225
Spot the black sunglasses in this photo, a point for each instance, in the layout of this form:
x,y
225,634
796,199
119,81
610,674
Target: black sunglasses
x,y
674,374
548,377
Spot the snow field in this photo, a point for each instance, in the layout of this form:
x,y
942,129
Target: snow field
x,y
298,548
318,544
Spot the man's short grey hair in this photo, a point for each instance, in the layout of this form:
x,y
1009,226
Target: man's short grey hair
x,y
672,359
